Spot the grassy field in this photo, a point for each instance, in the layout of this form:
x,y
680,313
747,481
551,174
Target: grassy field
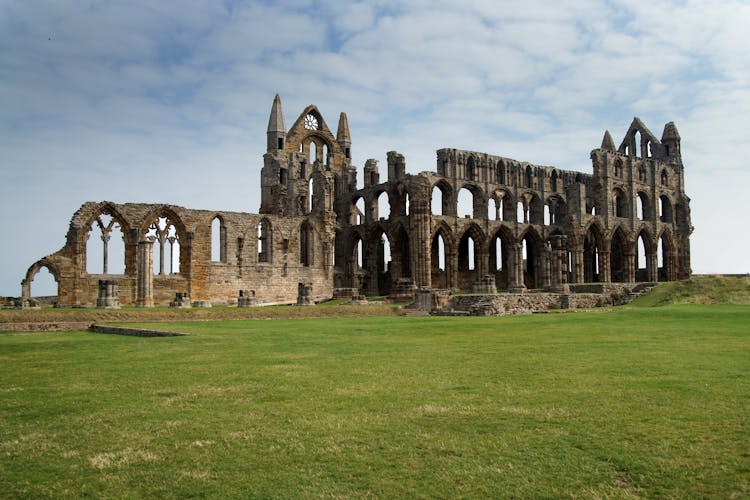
x,y
628,403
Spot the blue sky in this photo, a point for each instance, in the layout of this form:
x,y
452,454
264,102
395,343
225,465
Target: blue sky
x,y
168,101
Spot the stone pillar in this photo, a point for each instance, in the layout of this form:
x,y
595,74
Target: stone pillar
x,y
652,267
546,266
630,267
108,295
105,251
304,294
162,241
171,240
578,271
516,268
558,272
144,296
604,267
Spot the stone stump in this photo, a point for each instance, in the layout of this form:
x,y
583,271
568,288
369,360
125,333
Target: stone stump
x,y
108,297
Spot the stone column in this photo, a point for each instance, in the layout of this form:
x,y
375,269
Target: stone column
x,y
145,275
604,267
558,269
171,240
105,251
652,267
630,267
516,268
162,240
545,266
578,271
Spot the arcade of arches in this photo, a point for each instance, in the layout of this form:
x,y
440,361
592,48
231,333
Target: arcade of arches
x,y
479,223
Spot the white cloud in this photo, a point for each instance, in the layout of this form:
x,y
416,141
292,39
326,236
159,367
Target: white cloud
x,y
144,101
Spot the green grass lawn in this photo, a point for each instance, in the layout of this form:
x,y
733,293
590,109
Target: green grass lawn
x,y
632,402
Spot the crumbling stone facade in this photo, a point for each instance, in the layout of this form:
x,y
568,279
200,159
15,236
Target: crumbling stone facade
x,y
529,226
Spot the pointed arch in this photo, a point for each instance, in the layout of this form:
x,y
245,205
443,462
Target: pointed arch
x,y
166,229
306,244
531,249
441,251
593,245
105,240
33,271
218,230
500,252
442,204
618,255
265,241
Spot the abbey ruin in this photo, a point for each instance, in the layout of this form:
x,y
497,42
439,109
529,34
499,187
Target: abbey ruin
x,y
318,235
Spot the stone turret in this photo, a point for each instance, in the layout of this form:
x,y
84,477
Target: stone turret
x,y
608,143
670,139
343,137
276,132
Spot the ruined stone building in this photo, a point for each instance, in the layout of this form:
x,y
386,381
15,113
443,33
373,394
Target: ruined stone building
x,y
318,234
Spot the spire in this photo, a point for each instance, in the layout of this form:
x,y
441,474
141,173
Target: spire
x,y
276,133
342,135
276,120
607,142
670,132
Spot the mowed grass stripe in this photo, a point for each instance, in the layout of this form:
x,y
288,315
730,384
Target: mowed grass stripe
x,y
637,402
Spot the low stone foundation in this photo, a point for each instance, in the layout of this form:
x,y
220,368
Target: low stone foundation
x,y
441,302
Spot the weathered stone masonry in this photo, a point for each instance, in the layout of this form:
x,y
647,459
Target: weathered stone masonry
x,y
531,227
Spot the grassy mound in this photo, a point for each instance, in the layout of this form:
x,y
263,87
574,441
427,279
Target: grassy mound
x,y
700,289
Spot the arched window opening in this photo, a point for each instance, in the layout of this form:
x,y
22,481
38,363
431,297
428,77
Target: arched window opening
x,y
648,149
282,176
43,284
618,262
164,235
660,253
529,177
384,206
665,209
547,215
618,168
313,152
326,155
218,240
465,205
384,253
498,254
305,244
664,178
406,205
358,212
641,257
529,256
592,273
501,177
439,202
620,204
358,256
520,212
105,247
301,148
310,195
553,181
642,208
637,150
492,209
470,169
265,241
438,276
467,255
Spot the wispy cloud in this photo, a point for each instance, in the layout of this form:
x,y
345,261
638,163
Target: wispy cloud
x,y
143,101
